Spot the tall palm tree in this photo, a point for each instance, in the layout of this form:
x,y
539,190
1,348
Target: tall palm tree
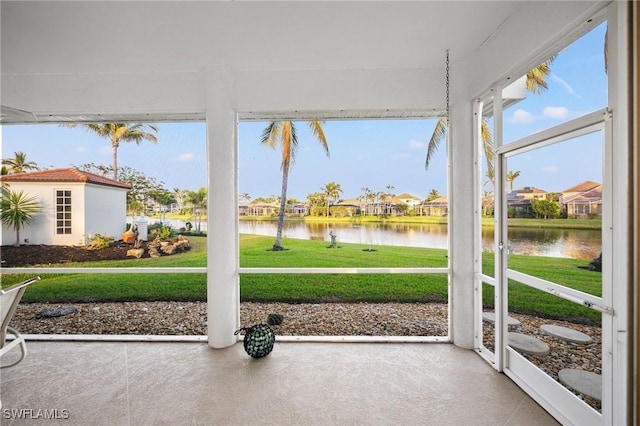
x,y
19,163
332,191
179,195
121,132
388,196
17,209
536,84
284,133
511,178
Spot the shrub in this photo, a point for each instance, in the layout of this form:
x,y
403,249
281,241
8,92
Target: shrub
x,y
99,241
160,231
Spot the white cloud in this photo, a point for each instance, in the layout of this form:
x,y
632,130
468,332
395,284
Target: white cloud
x,y
187,156
80,149
566,85
521,116
550,169
105,150
558,113
414,144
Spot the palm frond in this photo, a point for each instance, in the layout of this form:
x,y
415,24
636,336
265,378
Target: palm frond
x,y
318,131
487,142
271,134
439,134
536,78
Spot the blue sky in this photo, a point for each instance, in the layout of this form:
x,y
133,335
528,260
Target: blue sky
x,y
372,153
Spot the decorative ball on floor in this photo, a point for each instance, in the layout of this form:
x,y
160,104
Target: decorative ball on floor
x,y
258,340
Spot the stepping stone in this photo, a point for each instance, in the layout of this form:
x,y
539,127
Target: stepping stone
x,y
491,317
55,312
585,382
527,344
565,333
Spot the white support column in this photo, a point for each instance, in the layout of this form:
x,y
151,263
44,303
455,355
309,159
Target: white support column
x,y
223,291
615,220
461,225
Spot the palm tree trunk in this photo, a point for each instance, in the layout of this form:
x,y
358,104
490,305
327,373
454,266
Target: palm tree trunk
x,y
17,235
114,157
277,246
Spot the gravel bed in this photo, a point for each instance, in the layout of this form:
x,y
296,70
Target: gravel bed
x,y
325,319
562,354
190,318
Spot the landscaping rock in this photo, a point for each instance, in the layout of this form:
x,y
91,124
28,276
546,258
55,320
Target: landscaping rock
x,y
55,312
153,252
135,253
275,319
168,249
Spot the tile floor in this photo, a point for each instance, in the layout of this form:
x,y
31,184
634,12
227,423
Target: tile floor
x,y
129,383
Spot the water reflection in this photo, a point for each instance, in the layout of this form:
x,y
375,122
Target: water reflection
x,y
570,243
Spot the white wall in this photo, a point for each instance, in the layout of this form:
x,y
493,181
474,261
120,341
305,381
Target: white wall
x,y
36,232
105,210
42,229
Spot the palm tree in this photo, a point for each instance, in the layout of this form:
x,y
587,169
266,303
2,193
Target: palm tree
x,y
17,210
245,196
511,178
535,83
198,201
284,133
121,132
179,195
388,196
332,191
433,194
19,163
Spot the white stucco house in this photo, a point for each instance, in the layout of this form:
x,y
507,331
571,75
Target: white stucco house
x,y
75,205
411,200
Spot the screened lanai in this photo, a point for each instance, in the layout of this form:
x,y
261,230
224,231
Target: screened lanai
x,y
225,62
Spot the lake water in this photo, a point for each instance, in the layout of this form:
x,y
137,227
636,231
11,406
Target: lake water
x,y
578,244
569,243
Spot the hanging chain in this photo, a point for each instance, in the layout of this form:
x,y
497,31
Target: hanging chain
x,y
447,86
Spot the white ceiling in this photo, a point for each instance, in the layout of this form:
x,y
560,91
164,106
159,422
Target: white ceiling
x,y
62,37
88,60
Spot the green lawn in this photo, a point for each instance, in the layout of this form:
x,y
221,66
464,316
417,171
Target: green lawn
x,y
315,288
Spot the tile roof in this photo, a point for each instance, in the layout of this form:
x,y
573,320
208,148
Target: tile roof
x,y
439,200
64,175
406,195
583,187
529,190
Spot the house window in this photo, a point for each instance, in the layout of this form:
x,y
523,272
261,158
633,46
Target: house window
x,y
63,212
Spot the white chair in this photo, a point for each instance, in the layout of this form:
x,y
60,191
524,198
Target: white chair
x,y
9,299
